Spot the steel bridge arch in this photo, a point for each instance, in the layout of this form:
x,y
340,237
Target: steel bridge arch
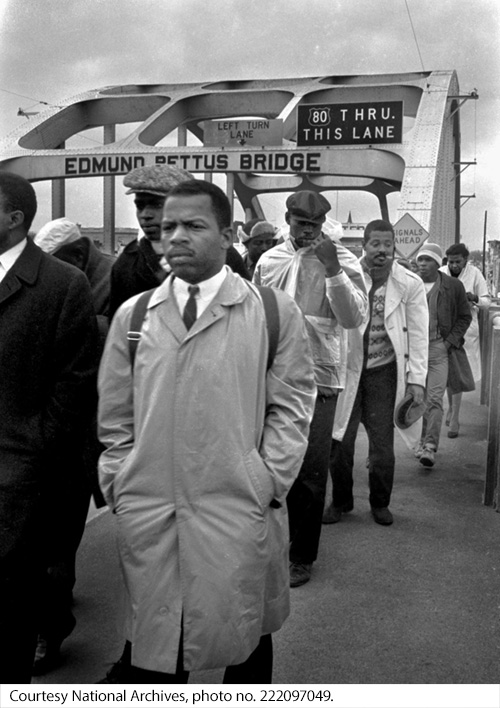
x,y
424,168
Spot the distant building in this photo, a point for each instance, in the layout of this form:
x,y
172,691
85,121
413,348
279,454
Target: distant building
x,y
353,236
123,236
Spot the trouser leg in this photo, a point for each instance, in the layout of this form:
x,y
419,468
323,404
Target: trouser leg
x,y
379,397
342,459
56,616
137,675
437,377
21,568
258,668
144,676
306,498
18,626
455,412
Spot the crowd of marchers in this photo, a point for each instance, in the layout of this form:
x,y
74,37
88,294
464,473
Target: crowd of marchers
x,y
205,391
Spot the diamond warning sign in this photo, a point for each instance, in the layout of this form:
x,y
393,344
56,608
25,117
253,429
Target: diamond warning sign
x,y
409,236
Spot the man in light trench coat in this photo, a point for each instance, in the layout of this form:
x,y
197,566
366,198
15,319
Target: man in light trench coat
x,y
387,359
202,445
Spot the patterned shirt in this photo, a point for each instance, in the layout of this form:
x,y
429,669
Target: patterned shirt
x,y
379,346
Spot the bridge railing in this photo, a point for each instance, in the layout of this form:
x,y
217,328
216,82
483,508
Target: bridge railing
x,y
489,323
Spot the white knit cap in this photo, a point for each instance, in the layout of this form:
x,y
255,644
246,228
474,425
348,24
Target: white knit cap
x,y
432,250
57,233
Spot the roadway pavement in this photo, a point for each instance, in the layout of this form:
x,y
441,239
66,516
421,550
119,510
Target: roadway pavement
x,y
417,602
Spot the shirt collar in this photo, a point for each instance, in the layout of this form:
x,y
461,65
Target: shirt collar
x,y
9,257
208,288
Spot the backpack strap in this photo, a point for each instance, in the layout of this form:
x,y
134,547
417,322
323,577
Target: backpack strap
x,y
270,308
272,321
136,322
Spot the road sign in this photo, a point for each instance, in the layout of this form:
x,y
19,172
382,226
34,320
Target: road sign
x,y
350,123
243,132
409,236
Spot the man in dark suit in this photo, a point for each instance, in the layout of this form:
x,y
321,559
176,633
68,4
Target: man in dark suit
x,y
141,265
48,367
449,318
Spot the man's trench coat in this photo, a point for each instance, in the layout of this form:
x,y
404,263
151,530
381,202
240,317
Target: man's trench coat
x,y
199,442
406,318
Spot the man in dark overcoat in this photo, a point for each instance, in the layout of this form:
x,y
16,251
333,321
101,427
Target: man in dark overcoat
x,y
48,366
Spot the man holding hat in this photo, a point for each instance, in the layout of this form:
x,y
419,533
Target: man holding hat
x,y
449,318
257,236
387,360
326,282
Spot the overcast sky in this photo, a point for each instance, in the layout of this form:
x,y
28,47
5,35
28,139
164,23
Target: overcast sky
x,y
54,49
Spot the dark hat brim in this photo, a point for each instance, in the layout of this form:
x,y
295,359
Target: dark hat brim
x,y
306,217
408,412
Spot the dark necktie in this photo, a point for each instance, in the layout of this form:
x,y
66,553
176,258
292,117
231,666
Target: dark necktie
x,y
189,314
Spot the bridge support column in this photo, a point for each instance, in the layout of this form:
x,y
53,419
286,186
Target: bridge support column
x,y
59,194
109,199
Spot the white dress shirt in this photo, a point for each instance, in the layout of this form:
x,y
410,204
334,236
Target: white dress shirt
x,y
8,258
208,290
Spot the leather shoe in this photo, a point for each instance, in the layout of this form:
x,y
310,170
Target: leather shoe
x,y
120,670
117,673
382,516
300,573
453,433
332,514
427,457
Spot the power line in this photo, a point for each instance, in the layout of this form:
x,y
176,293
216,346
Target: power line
x,y
30,98
24,112
414,35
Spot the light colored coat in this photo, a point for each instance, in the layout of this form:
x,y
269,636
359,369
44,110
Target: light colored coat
x,y
199,443
473,282
406,317
329,305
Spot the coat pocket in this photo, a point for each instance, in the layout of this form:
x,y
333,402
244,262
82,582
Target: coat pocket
x,y
324,340
260,477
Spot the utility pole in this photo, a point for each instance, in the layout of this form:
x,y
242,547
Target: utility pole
x,y
484,243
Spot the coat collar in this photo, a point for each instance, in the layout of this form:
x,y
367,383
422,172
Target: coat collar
x,y
24,271
397,287
445,283
232,291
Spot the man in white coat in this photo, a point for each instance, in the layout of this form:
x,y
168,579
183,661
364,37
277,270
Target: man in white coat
x,y
203,442
387,359
472,279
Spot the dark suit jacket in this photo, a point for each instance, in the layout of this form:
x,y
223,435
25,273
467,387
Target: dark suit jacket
x,y
48,367
135,270
453,310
